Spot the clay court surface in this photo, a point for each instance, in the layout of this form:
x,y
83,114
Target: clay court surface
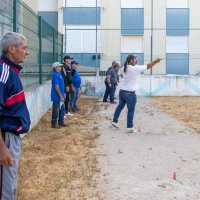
x,y
60,163
91,160
185,109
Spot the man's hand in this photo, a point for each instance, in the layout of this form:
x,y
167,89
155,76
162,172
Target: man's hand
x,y
6,158
151,64
73,88
158,60
62,99
67,89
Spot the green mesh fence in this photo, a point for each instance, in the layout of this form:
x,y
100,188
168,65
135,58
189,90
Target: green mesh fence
x,y
44,42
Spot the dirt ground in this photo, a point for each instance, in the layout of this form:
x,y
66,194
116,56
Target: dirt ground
x,y
76,163
141,166
185,109
59,164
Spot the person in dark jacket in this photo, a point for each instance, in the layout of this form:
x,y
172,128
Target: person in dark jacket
x,y
111,82
14,115
66,73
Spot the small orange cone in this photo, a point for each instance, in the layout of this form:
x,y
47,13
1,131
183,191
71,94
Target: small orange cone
x,y
174,176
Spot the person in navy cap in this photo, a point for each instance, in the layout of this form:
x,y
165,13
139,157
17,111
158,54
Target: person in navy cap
x,y
76,81
66,73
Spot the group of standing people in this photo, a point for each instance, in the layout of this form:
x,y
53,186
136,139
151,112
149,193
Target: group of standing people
x,y
66,83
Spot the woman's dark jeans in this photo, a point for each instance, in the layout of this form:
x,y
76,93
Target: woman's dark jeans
x,y
130,99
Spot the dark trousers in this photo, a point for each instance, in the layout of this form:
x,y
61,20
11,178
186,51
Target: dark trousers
x,y
58,113
110,91
73,98
126,98
67,102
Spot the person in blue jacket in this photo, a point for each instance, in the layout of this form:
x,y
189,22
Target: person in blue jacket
x,y
14,114
76,81
57,96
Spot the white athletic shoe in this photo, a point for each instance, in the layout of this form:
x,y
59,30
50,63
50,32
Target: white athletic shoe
x,y
131,130
116,125
69,114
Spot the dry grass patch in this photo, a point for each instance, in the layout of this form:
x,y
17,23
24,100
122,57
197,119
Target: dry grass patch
x,y
59,164
186,109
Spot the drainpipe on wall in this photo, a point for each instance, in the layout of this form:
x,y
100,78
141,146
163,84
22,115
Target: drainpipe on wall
x,y
96,63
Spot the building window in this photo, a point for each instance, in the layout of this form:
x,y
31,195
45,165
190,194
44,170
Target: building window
x,y
132,4
177,21
131,44
139,56
132,21
86,59
81,16
177,63
177,44
177,4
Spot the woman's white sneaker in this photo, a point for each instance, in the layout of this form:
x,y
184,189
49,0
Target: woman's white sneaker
x,y
131,130
116,125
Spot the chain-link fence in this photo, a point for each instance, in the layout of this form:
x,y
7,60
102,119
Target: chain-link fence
x,y
45,44
96,32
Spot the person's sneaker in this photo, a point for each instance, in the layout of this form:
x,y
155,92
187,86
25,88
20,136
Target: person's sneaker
x,y
72,110
105,101
69,114
53,126
113,102
63,125
131,130
77,108
116,125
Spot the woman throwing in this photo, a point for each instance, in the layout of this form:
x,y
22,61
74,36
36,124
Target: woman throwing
x,y
130,84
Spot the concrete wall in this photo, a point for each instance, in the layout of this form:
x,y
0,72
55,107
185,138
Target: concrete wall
x,y
156,85
38,101
164,85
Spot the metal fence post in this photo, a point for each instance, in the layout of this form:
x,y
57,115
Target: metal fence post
x,y
14,15
62,49
40,48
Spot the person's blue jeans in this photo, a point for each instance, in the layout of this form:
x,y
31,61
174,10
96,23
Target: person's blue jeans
x,y
130,99
57,113
110,91
74,98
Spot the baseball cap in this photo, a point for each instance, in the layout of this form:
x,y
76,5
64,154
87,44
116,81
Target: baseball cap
x,y
74,62
56,64
67,57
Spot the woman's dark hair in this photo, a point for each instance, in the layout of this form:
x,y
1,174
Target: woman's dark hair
x,y
128,60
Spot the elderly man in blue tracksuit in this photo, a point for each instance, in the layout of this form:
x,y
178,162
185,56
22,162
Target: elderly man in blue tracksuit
x,y
14,115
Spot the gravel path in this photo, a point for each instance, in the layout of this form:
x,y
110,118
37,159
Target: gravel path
x,y
140,166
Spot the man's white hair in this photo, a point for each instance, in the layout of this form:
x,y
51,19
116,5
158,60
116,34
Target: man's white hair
x,y
10,38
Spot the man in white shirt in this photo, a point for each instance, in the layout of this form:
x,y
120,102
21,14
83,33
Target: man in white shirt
x,y
130,84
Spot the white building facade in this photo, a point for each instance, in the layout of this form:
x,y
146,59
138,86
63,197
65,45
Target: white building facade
x,y
96,32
